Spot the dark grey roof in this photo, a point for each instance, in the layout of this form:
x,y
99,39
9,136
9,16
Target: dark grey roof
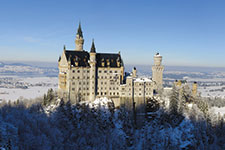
x,y
93,47
79,31
108,57
82,58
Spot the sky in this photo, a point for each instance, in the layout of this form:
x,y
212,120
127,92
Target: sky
x,y
184,32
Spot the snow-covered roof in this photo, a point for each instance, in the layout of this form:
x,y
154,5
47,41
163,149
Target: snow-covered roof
x,y
142,80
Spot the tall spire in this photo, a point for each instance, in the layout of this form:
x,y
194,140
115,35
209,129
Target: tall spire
x,y
93,47
79,31
64,47
79,41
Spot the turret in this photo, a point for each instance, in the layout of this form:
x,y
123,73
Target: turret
x,y
157,59
92,63
134,72
157,71
194,88
79,39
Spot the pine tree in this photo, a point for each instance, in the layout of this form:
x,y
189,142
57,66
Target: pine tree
x,y
174,98
49,97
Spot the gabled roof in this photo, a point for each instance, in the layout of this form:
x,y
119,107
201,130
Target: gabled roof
x,y
108,57
82,58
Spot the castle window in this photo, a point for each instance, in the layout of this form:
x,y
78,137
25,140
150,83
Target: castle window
x,y
87,83
73,89
101,93
105,93
99,71
84,83
73,71
139,93
73,77
87,94
105,77
113,93
105,71
117,93
140,89
87,71
78,77
110,93
110,71
115,71
88,77
97,93
78,71
73,83
79,83
79,88
110,88
105,82
87,88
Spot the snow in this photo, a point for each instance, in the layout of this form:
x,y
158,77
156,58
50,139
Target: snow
x,y
37,86
218,111
142,80
100,102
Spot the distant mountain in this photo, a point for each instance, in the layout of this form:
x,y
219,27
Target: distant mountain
x,y
22,69
2,64
18,64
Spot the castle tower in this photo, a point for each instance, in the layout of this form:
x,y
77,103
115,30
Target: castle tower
x,y
134,72
92,63
79,39
194,88
157,71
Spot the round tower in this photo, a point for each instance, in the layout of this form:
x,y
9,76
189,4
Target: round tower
x,y
79,42
157,71
194,88
134,72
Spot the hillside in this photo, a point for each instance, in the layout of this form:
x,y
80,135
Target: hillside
x,y
55,124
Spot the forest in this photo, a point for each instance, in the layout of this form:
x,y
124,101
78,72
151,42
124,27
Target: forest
x,y
49,123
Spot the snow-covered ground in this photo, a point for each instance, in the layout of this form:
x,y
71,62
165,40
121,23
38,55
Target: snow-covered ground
x,y
213,87
218,111
35,87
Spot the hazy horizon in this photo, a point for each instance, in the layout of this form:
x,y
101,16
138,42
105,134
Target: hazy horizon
x,y
130,66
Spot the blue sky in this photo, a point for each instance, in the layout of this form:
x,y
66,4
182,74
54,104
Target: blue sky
x,y
185,32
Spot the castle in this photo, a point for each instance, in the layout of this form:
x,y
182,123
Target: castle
x,y
87,75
